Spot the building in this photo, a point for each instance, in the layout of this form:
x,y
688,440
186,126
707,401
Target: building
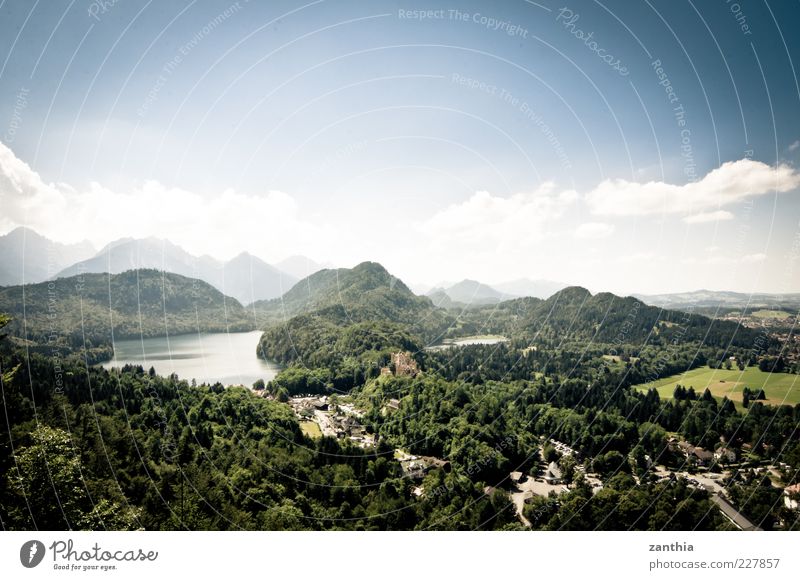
x,y
702,456
791,496
404,364
725,455
697,454
517,477
417,467
553,474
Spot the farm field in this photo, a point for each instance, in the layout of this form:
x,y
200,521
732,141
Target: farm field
x,y
311,429
780,388
780,314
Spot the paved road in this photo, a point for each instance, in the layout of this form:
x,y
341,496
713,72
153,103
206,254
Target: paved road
x,y
737,518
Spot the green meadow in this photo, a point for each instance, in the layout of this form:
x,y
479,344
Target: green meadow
x,y
780,388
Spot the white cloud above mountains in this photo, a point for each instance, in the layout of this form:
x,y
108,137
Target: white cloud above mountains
x,y
732,182
545,232
594,230
220,226
708,216
504,222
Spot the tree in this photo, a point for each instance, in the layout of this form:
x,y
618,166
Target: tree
x,y
47,479
550,453
568,465
259,385
6,375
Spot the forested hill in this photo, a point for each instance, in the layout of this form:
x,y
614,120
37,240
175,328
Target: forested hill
x,y
83,310
365,292
604,318
336,317
308,323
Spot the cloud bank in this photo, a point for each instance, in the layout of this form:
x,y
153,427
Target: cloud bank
x,y
220,226
731,182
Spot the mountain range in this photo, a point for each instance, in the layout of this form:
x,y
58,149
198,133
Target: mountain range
x,y
245,277
27,257
335,313
469,293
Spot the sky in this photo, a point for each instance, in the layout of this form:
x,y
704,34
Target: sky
x,y
644,147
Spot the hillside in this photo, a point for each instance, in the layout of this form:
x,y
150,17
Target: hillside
x,y
90,309
365,292
336,314
307,323
574,314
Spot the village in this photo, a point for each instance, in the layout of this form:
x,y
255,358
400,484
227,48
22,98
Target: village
x,y
557,465
330,416
324,415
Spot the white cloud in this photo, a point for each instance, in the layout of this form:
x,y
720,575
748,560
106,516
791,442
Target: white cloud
x,y
794,146
636,257
268,225
593,230
711,216
731,182
754,258
503,222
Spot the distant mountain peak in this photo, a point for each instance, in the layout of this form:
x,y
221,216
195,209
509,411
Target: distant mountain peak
x,y
300,266
246,277
29,257
571,293
469,292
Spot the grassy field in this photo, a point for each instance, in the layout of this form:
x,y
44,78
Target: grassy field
x,y
780,388
310,429
779,314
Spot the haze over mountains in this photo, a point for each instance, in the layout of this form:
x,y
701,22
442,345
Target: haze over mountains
x,y
300,266
247,278
26,256
722,299
474,293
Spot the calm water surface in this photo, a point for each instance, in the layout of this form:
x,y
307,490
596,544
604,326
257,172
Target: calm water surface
x,y
480,339
228,358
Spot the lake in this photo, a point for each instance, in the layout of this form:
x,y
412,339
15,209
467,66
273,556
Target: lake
x,y
229,358
468,340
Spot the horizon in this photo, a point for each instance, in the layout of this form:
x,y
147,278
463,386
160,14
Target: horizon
x,y
420,289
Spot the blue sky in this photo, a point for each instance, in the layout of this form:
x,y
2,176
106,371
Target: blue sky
x,y
490,140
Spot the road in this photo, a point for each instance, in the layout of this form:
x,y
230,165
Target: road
x,y
730,512
530,487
